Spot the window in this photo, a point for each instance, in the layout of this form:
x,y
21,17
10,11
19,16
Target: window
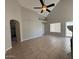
x,y
55,27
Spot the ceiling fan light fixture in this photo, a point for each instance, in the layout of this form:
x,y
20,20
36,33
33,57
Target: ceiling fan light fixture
x,y
44,8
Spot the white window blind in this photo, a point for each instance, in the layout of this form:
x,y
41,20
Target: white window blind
x,y
55,27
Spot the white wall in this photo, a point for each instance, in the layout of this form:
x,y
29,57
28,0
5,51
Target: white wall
x,y
61,13
13,11
32,26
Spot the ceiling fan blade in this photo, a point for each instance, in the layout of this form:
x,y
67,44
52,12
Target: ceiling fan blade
x,y
41,11
51,5
48,10
37,7
42,2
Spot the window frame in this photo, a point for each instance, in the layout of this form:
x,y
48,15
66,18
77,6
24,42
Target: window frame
x,y
55,24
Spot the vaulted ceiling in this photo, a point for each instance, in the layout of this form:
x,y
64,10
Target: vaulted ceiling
x,y
30,4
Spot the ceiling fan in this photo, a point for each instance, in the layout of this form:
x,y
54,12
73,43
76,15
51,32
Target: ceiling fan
x,y
44,7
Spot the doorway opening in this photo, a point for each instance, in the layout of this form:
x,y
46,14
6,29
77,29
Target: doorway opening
x,y
15,32
68,32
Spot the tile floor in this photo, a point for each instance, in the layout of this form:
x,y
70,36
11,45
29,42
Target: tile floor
x,y
45,47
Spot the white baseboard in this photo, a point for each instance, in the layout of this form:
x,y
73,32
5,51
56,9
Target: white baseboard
x,y
24,40
8,49
32,37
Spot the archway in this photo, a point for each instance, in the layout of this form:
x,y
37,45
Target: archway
x,y
15,32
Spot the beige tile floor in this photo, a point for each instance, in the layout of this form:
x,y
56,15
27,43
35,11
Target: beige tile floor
x,y
45,47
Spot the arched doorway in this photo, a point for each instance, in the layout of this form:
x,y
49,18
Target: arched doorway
x,y
15,32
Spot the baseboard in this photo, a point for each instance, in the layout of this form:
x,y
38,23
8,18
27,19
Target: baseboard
x,y
32,37
7,49
24,40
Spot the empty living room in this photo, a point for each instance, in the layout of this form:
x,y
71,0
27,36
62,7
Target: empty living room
x,y
38,29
